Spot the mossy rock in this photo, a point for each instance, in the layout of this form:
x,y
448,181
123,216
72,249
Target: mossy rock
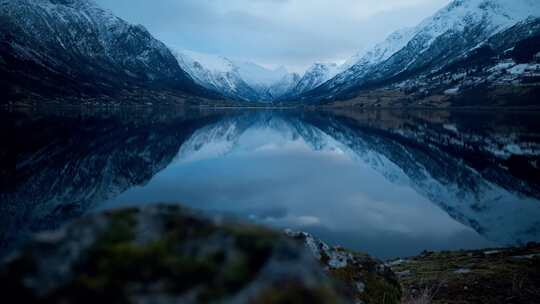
x,y
165,254
363,278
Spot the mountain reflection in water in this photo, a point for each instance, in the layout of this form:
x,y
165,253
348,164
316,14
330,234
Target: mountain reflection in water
x,y
391,183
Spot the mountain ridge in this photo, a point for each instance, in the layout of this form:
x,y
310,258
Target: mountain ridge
x,y
246,81
450,33
72,48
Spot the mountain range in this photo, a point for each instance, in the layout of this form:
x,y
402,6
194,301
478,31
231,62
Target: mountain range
x,y
469,53
462,47
237,79
60,49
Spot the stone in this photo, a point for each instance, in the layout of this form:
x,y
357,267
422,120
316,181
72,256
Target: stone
x,y
183,257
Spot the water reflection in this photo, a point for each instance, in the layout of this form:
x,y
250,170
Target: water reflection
x,y
387,182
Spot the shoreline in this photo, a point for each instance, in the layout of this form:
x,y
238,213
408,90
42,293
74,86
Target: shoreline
x,y
267,108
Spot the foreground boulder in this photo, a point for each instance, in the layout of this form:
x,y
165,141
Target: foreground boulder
x,y
167,254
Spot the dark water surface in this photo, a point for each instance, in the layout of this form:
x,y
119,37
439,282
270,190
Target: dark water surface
x,y
390,183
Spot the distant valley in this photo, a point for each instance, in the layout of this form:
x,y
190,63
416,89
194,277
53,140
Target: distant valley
x,y
470,53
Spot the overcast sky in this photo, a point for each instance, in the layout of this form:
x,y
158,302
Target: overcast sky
x,y
293,33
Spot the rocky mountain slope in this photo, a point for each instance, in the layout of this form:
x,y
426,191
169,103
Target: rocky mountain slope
x,y
505,70
61,49
455,32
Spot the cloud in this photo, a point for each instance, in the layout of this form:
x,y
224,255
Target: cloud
x,y
294,33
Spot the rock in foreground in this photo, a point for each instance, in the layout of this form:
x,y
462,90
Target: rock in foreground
x,y
166,254
364,279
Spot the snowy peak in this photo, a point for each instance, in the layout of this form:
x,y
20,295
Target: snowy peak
x,y
509,9
496,14
381,51
453,31
213,63
316,75
215,73
284,86
322,69
237,79
256,75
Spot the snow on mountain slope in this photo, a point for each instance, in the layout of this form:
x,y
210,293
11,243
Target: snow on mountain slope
x,y
454,30
381,51
256,75
316,75
266,82
216,73
212,63
283,87
505,61
77,48
236,79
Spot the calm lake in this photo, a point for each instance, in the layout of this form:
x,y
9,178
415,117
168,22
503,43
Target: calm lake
x,y
389,183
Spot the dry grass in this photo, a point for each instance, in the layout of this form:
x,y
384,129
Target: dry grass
x,y
424,297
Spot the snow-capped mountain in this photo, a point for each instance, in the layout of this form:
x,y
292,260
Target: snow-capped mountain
x,y
451,33
259,76
316,75
283,87
381,51
504,70
236,79
216,73
75,48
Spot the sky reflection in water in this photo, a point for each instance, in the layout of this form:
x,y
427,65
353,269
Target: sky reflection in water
x,y
271,176
390,183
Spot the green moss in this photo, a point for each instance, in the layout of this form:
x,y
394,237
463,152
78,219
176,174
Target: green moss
x,y
378,288
186,227
193,254
121,228
325,259
115,262
256,244
380,291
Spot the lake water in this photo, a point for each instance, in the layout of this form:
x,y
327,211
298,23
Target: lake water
x,y
390,183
